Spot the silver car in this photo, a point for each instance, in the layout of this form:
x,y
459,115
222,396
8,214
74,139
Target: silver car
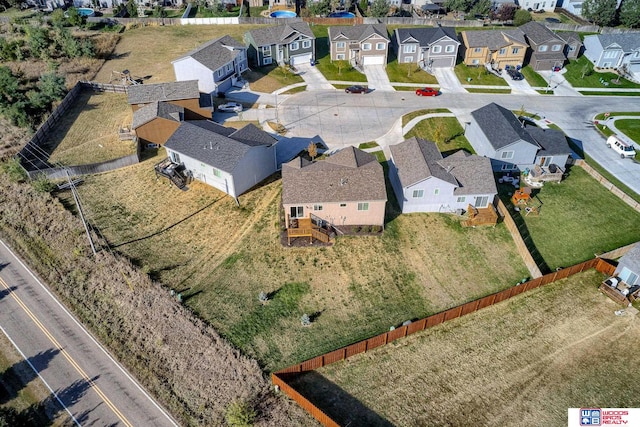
x,y
230,107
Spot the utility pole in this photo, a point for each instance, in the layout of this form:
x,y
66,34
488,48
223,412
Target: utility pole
x,y
77,200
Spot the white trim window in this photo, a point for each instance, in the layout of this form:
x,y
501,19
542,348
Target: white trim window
x,y
341,45
267,61
306,44
502,51
460,199
217,173
543,48
481,201
380,46
366,46
266,50
436,191
475,61
363,206
506,155
408,59
508,167
294,46
340,56
628,276
409,48
418,194
449,48
556,47
477,50
436,49
296,211
611,54
317,207
515,50
229,67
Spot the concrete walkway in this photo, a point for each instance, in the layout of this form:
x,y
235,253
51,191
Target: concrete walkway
x,y
611,124
377,78
557,83
448,80
314,79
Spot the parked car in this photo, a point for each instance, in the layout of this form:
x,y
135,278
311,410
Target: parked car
x,y
230,107
515,74
621,147
357,89
427,91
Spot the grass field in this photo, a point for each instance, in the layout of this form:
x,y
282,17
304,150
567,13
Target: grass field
x,y
221,257
446,132
631,128
521,362
576,218
478,76
532,77
88,132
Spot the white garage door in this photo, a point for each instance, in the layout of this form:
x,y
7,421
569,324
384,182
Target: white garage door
x,y
373,60
301,59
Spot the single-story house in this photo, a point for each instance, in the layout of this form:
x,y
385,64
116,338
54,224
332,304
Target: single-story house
x,y
428,47
156,122
547,48
424,181
359,44
183,93
347,188
217,65
614,51
497,133
624,286
233,161
498,48
284,44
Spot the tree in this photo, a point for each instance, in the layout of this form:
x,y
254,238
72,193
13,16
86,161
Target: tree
x,y
57,18
14,170
74,17
380,8
38,41
364,6
458,5
312,149
630,13
9,85
160,12
52,86
587,70
507,12
240,414
481,7
521,17
341,63
600,12
320,8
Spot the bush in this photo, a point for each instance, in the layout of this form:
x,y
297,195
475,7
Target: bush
x,y
42,184
14,170
240,414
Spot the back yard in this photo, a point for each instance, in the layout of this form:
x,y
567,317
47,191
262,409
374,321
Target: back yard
x,y
520,362
220,257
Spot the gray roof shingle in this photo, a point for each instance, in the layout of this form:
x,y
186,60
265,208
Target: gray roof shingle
x,y
473,173
500,126
551,141
631,260
538,33
569,36
215,53
348,175
170,91
426,36
357,32
253,136
281,34
628,42
165,110
417,160
201,140
494,39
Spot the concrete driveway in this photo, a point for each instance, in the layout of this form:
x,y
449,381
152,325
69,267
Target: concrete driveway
x,y
557,83
314,79
448,81
518,87
377,78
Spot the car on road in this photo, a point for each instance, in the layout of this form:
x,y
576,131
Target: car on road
x,y
621,147
230,107
357,89
515,74
427,91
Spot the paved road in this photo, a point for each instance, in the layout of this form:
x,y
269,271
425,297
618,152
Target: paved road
x,y
93,388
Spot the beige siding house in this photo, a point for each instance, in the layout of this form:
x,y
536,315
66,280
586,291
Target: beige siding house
x,y
359,44
498,48
345,189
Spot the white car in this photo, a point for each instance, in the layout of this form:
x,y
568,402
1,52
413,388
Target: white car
x,y
621,147
230,107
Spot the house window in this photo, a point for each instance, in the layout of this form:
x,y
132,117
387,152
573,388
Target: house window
x,y
380,46
366,46
219,72
542,48
297,212
306,44
340,56
409,48
628,276
266,50
436,49
475,62
363,206
436,191
506,155
417,194
556,47
508,167
515,50
610,54
343,205
229,67
294,46
175,157
502,51
267,61
606,65
481,201
341,45
408,59
572,48
317,207
461,199
217,172
477,50
449,48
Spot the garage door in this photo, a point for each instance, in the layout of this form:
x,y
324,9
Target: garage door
x,y
373,60
446,62
301,59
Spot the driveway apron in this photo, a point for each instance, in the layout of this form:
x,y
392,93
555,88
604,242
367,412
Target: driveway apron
x,y
448,80
377,78
519,87
314,79
557,83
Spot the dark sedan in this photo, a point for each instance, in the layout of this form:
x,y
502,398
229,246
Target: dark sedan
x,y
357,89
515,74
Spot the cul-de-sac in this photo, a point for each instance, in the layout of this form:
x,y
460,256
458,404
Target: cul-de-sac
x,y
304,213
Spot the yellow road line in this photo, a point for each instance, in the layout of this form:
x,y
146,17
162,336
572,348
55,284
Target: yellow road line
x,y
73,363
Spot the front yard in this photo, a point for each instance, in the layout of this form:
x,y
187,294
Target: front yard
x,y
446,132
580,73
337,70
477,76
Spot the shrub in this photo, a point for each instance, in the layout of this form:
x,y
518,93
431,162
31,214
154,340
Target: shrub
x,y
14,170
42,184
240,414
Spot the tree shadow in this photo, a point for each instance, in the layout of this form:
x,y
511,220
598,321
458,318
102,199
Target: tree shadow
x,y
23,372
314,316
4,292
339,405
186,298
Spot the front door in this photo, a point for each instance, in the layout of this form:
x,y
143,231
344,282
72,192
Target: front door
x,y
280,53
297,212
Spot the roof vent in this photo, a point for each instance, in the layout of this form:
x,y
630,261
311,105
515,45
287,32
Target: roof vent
x,y
343,181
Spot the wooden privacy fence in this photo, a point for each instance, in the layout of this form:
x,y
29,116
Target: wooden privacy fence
x,y
608,184
279,378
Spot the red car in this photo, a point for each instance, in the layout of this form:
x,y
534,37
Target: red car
x,y
427,91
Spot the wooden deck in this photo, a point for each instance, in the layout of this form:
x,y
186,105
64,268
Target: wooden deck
x,y
304,227
553,173
616,293
481,216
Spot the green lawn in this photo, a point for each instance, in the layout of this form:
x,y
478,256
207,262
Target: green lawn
x,y
366,145
408,73
579,218
580,73
410,116
481,90
630,127
478,76
532,77
331,70
446,132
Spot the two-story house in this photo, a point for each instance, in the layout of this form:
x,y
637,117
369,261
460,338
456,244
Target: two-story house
x,y
547,48
614,51
217,65
428,47
537,5
285,44
498,48
359,44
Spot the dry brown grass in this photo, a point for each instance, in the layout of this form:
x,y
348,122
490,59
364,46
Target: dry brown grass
x,y
12,138
522,362
222,256
88,132
147,52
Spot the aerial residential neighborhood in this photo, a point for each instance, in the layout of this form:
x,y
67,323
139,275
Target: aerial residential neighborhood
x,y
302,214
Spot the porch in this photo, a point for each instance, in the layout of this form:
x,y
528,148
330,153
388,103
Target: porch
x,y
481,216
541,174
308,227
619,291
174,172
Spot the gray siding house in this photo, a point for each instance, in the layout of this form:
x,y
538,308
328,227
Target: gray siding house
x,y
573,44
359,44
285,44
217,65
428,47
424,181
614,51
230,160
496,132
547,48
628,268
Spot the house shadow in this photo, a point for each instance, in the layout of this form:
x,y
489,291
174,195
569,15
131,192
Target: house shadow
x,y
339,405
392,207
577,147
288,149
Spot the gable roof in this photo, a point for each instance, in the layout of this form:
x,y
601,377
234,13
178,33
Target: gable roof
x,y
628,41
252,136
170,91
473,173
416,160
348,175
281,34
631,260
200,140
569,36
165,110
215,53
357,32
425,36
500,126
551,141
538,33
494,39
